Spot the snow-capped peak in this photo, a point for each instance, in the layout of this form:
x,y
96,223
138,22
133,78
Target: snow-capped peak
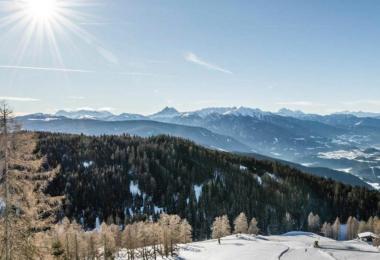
x,y
290,113
84,114
167,112
236,111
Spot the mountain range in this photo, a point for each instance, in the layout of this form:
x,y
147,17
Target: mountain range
x,y
348,143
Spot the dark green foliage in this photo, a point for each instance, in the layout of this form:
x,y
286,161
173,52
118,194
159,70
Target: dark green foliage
x,y
167,169
57,249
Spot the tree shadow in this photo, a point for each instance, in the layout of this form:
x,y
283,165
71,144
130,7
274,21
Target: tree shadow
x,y
193,248
349,248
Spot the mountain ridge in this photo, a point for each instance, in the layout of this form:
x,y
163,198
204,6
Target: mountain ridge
x,y
308,139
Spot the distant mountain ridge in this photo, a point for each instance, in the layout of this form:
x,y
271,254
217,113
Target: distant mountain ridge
x,y
338,141
143,128
169,112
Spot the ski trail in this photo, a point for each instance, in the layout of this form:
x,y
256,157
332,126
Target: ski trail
x,y
283,253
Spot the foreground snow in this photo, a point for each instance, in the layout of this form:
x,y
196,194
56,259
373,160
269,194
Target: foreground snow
x,y
291,246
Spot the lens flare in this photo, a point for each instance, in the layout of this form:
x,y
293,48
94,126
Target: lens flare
x,y
40,22
41,9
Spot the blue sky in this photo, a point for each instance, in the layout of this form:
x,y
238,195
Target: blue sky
x,y
139,56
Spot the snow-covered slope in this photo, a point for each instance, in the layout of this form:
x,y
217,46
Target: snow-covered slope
x,y
291,246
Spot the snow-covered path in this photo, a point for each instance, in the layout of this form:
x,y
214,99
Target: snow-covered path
x,y
292,246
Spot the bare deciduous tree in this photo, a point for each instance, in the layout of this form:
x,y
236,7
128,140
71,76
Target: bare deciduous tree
x,y
241,224
253,229
16,240
220,228
336,229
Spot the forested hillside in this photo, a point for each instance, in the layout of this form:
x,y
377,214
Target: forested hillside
x,y
119,179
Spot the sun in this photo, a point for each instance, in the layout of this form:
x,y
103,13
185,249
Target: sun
x,y
45,29
41,9
45,26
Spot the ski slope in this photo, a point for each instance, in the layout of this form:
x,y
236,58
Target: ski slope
x,y
291,246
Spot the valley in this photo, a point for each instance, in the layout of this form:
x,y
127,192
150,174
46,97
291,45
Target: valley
x,y
344,143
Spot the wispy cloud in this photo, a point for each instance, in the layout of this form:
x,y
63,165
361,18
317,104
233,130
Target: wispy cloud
x,y
11,67
101,23
108,55
76,97
70,70
191,57
20,99
370,102
109,109
143,74
300,104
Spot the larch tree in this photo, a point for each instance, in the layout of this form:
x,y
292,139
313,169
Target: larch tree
x,y
370,224
336,229
6,115
129,237
220,228
241,224
288,222
170,232
313,222
108,241
362,227
174,226
16,234
253,229
352,227
376,225
327,230
185,232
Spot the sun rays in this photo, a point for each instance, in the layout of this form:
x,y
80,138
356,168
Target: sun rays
x,y
45,25
41,10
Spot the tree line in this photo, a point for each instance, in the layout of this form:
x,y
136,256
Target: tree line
x,y
140,240
150,240
123,179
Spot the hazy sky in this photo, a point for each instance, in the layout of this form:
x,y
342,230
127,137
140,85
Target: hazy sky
x,y
141,55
